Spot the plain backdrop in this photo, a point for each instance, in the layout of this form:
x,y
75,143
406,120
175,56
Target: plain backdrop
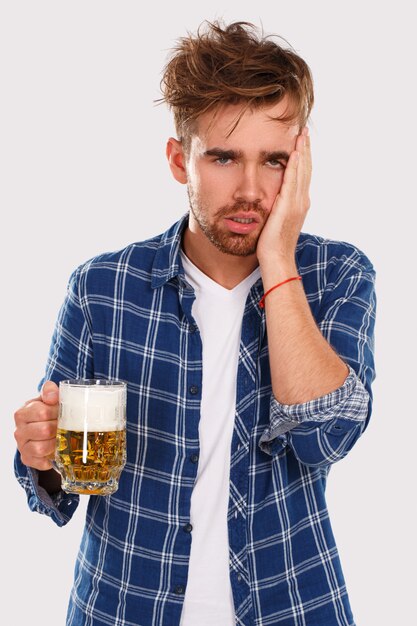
x,y
83,171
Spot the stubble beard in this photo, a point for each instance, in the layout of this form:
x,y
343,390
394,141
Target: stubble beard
x,y
230,243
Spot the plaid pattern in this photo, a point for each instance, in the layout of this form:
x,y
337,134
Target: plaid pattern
x,y
128,315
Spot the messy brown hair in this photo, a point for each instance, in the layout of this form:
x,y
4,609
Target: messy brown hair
x,y
232,65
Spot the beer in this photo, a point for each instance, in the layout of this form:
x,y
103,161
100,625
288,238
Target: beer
x,y
90,448
104,460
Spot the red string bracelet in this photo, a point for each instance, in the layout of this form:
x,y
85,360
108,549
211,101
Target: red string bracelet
x,y
262,300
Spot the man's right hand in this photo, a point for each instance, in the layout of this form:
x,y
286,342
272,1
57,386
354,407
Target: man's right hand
x,y
36,426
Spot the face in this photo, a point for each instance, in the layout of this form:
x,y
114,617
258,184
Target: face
x,y
232,183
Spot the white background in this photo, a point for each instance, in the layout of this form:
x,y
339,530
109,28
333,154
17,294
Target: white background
x,y
83,171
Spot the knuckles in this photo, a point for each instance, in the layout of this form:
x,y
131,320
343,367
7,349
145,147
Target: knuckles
x,y
41,449
43,413
47,430
35,433
18,416
18,437
38,464
35,411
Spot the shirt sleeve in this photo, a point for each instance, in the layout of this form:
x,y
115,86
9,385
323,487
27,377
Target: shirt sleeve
x,y
70,356
59,506
323,430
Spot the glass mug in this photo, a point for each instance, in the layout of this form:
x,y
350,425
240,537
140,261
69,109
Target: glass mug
x,y
90,451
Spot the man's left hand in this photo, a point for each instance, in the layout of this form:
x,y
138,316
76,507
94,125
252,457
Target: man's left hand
x,y
278,239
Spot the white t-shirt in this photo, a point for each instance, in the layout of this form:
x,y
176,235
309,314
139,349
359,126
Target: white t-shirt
x,y
218,312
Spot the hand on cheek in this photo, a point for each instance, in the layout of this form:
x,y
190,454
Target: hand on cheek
x,y
281,231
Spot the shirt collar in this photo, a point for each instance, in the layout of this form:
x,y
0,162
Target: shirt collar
x,y
167,263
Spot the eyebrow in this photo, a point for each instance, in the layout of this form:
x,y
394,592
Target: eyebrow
x,y
278,155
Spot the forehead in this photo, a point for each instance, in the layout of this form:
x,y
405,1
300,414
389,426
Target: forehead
x,y
255,125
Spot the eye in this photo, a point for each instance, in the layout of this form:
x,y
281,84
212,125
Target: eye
x,y
278,164
222,159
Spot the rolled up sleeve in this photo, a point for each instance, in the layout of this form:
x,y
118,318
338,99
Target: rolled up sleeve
x,y
60,507
323,430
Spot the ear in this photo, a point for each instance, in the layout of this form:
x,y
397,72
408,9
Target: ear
x,y
176,160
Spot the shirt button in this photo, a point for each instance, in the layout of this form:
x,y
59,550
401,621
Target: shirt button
x,y
193,389
179,589
187,528
239,578
32,502
193,328
194,458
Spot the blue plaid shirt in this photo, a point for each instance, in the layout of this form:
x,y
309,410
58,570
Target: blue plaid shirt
x,y
128,315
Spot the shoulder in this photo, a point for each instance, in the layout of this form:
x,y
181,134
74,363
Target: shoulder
x,y
328,255
134,254
134,260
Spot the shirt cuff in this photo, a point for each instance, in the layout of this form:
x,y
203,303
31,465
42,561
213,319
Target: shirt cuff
x,y
348,402
59,506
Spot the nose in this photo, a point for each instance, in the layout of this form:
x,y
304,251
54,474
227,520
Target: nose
x,y
249,185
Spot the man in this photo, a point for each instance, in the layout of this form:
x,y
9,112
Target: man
x,y
247,346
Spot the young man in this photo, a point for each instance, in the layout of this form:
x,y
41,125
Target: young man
x,y
247,346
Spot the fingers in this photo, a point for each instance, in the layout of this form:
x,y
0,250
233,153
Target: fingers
x,y
36,442
302,197
36,426
298,171
40,431
36,411
307,164
38,454
289,183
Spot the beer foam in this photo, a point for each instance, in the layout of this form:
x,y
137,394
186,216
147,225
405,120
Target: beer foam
x,y
97,408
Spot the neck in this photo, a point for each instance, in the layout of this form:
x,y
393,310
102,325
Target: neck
x,y
227,270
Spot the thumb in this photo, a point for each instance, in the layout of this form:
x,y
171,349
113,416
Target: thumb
x,y
50,393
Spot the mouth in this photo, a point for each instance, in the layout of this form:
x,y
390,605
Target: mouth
x,y
242,225
240,220
245,218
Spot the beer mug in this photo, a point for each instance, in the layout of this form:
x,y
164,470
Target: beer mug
x,y
90,450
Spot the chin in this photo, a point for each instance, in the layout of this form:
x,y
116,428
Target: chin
x,y
237,248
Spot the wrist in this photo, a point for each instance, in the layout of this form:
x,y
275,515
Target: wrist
x,y
267,292
276,258
275,270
